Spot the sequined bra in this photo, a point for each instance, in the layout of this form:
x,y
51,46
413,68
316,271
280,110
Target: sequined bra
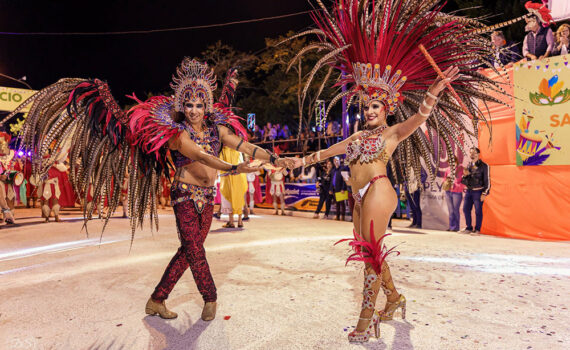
x,y
368,147
210,143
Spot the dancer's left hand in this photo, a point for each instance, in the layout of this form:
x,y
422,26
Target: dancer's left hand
x,y
245,167
451,74
288,163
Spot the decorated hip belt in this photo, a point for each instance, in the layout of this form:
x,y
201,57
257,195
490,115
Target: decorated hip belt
x,y
201,195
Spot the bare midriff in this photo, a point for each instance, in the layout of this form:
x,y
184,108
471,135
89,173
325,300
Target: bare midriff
x,y
196,173
361,174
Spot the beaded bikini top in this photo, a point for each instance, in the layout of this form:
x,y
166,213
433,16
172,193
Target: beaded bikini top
x,y
368,147
210,143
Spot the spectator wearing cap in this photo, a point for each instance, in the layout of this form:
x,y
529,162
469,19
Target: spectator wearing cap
x,y
539,42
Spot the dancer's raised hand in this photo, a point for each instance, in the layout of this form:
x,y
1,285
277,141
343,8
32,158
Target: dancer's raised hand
x,y
451,74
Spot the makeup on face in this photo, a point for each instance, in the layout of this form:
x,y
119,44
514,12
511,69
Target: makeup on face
x,y
374,113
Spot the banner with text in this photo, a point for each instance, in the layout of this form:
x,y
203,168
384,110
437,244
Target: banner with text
x,y
10,98
298,196
542,111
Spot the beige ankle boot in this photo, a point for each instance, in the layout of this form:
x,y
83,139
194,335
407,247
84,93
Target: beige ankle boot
x,y
209,311
152,308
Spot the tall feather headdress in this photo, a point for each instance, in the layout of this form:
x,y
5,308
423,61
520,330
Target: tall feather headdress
x,y
375,46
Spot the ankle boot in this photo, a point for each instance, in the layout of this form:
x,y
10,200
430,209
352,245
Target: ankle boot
x,y
152,308
209,311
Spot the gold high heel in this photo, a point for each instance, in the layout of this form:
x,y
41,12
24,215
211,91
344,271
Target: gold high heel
x,y
152,308
391,307
362,337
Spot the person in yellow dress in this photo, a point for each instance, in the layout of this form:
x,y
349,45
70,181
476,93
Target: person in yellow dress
x,y
232,188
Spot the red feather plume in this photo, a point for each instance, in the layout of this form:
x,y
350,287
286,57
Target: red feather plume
x,y
373,253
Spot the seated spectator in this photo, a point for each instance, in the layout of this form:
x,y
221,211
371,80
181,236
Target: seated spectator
x,y
562,45
539,42
505,53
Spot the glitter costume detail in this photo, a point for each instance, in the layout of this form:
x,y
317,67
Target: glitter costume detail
x,y
368,147
201,195
210,142
193,80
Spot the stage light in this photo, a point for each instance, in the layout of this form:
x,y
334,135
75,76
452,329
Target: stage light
x,y
20,154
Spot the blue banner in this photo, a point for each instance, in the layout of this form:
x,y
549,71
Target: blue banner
x,y
298,196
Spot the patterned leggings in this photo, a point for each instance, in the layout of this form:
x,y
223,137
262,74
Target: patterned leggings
x,y
193,227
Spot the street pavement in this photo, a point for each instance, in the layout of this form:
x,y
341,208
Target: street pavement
x,y
282,284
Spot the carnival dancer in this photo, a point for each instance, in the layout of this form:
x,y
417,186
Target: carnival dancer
x,y
106,141
193,191
277,188
50,191
31,189
253,194
376,46
6,165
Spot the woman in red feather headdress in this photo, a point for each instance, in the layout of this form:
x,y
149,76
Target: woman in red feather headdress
x,y
375,46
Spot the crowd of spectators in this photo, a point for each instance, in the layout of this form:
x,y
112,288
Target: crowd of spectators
x,y
283,140
539,42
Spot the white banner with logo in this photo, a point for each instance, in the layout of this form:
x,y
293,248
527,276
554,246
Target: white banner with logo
x,y
560,9
10,98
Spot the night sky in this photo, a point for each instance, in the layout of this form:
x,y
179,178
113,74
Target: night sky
x,y
130,63
138,63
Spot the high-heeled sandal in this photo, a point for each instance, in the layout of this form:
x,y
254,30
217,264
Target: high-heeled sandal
x,y
374,322
391,307
364,336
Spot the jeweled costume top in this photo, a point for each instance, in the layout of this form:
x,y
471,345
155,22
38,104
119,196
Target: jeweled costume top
x,y
368,147
210,142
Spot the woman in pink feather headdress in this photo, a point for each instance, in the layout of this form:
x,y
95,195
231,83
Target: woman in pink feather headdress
x,y
374,44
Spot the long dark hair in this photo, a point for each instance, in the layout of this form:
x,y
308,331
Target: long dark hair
x,y
177,117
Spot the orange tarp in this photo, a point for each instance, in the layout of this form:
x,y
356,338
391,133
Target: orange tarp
x,y
526,202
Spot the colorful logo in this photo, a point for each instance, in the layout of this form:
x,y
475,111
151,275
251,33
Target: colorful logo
x,y
550,93
531,144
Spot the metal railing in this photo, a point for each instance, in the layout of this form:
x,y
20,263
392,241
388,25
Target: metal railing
x,y
322,141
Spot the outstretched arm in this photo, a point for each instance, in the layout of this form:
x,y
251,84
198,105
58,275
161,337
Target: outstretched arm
x,y
234,141
334,150
406,128
190,149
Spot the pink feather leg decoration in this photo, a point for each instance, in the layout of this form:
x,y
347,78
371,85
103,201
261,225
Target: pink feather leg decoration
x,y
373,253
